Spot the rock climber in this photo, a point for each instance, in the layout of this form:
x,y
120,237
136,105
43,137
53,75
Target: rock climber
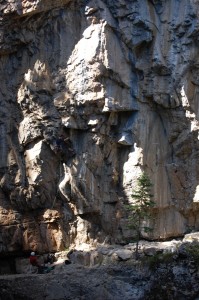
x,y
42,269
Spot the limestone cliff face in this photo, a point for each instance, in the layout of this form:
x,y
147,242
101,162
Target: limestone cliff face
x,y
92,93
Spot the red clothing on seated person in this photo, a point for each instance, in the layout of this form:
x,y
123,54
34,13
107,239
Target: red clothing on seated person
x,y
33,261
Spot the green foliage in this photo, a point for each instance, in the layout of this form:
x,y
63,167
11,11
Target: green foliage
x,y
193,251
159,258
140,208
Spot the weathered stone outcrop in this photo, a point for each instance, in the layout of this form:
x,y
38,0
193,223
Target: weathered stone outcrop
x,y
165,270
92,93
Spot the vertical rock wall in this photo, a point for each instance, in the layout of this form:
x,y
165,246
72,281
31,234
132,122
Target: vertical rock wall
x,y
92,93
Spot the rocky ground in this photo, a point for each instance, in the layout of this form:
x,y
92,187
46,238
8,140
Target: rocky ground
x,y
165,270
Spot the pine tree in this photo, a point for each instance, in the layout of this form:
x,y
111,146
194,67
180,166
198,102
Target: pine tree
x,y
140,208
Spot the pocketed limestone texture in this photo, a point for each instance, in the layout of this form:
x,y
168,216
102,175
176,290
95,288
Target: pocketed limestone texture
x,y
93,93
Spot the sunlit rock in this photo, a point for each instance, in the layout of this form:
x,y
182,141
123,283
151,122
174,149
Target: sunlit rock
x,y
92,94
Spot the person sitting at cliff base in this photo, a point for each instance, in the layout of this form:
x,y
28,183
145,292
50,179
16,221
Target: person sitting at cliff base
x,y
33,259
50,259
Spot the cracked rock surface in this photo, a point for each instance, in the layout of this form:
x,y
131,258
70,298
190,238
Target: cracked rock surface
x,y
92,93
